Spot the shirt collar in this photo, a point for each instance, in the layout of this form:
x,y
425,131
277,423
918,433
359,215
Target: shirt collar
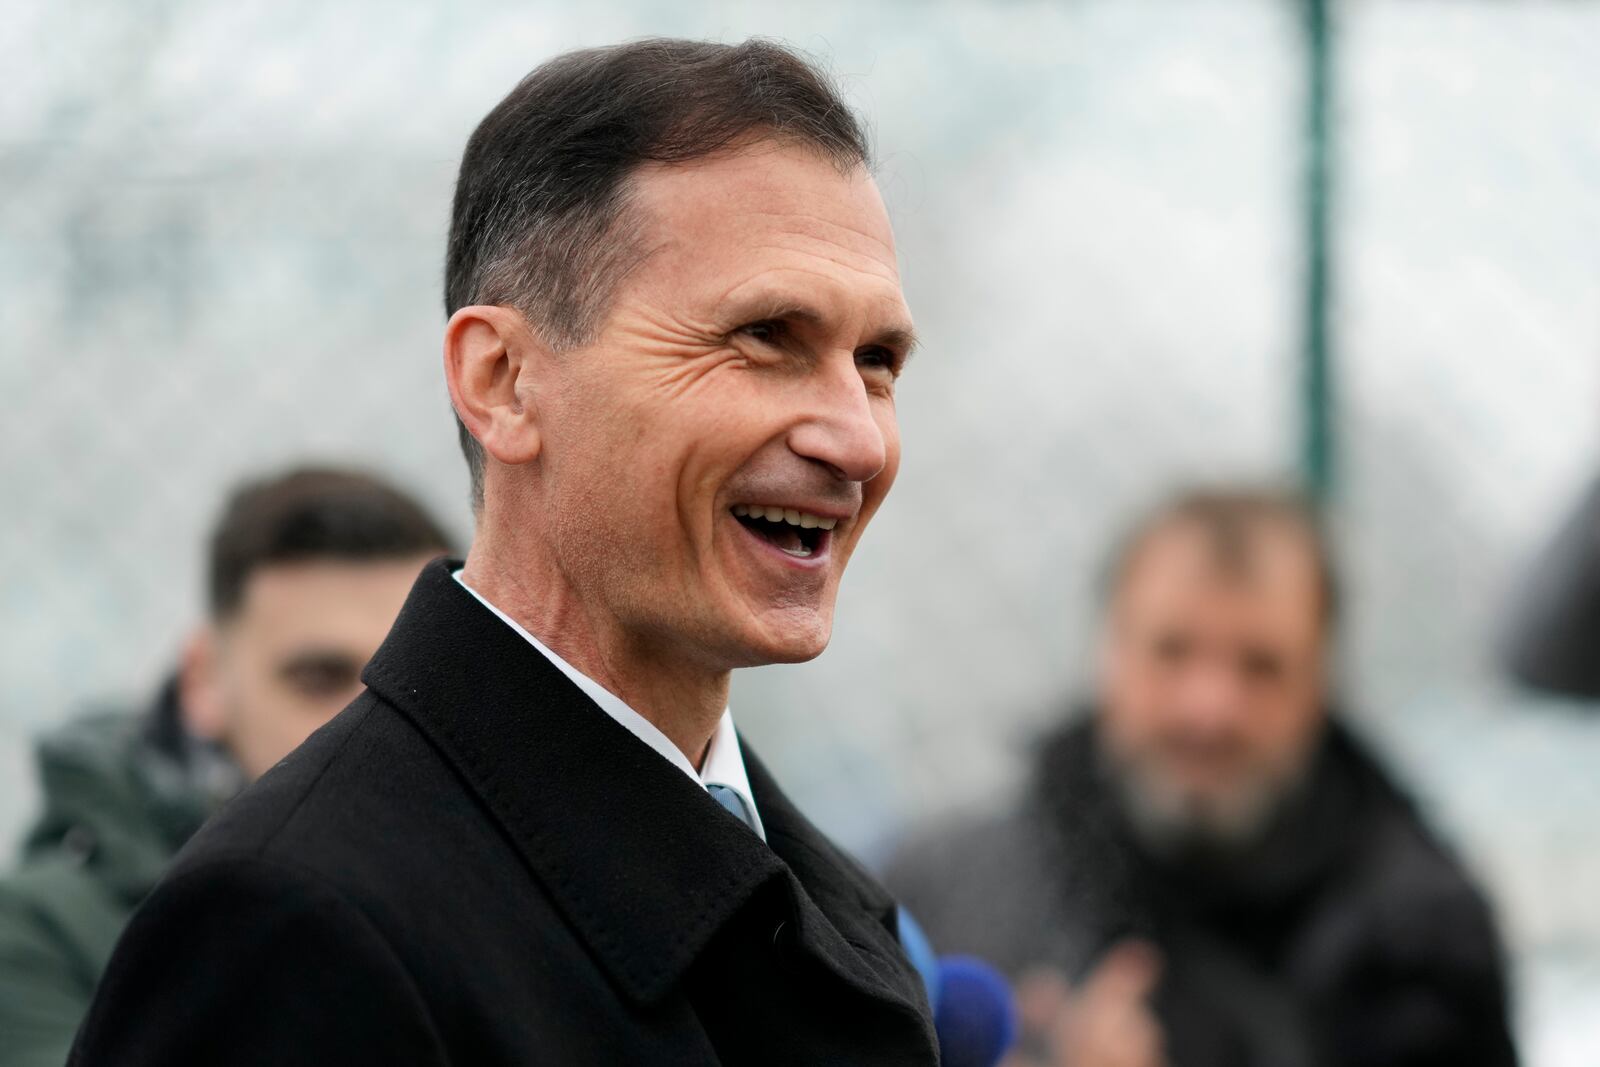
x,y
723,764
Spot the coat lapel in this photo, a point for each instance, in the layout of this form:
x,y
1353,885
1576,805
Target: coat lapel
x,y
847,919
642,863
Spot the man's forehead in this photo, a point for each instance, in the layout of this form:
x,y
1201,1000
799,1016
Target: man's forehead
x,y
1182,565
341,585
1261,550
764,190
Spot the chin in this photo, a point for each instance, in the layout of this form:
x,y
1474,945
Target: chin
x,y
792,637
797,652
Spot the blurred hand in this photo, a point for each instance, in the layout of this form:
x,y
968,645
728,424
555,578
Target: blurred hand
x,y
1105,1022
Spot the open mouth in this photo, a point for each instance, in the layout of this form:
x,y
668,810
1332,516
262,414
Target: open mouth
x,y
797,533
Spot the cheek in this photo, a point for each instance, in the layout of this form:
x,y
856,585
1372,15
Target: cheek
x,y
1127,689
1136,682
246,683
603,493
687,447
1147,718
1298,719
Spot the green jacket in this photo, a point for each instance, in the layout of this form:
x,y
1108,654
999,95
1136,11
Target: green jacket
x,y
122,793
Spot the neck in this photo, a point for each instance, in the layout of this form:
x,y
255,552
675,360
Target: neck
x,y
683,700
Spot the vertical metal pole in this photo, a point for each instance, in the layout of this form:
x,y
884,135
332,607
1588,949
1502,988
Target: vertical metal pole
x,y
1317,399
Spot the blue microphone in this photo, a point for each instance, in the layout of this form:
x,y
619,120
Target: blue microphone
x,y
974,1013
976,1019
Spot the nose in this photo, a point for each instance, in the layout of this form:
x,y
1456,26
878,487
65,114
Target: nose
x,y
1211,700
840,431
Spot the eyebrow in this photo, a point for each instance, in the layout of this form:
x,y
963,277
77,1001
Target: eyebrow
x,y
903,338
899,335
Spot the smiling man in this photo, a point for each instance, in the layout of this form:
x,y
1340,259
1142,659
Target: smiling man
x,y
675,329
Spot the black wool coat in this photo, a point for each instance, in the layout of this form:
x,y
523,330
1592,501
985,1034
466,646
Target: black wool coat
x,y
473,865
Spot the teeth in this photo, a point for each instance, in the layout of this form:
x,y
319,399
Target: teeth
x,y
793,516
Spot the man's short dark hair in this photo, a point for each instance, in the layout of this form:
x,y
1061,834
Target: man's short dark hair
x,y
313,513
540,220
1230,518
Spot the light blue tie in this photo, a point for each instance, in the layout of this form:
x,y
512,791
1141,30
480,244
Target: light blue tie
x,y
733,802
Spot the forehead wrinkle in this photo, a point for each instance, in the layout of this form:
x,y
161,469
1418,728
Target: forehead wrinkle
x,y
848,258
692,247
830,281
874,255
869,267
803,224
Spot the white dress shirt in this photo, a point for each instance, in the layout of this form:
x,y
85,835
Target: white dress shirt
x,y
724,763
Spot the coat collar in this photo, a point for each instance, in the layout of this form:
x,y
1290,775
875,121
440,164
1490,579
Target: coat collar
x,y
846,917
643,864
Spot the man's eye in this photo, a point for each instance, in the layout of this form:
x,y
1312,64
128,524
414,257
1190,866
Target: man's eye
x,y
765,332
1261,666
879,358
321,678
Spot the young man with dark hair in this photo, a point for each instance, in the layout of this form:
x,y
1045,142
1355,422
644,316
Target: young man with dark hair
x,y
307,571
676,326
1208,869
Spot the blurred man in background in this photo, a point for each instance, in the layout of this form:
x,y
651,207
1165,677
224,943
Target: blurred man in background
x,y
306,573
1208,868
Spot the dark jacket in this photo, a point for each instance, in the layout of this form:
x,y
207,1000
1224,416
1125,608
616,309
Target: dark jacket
x,y
1347,937
122,792
474,865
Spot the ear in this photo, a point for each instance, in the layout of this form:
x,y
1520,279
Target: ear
x,y
488,351
200,697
